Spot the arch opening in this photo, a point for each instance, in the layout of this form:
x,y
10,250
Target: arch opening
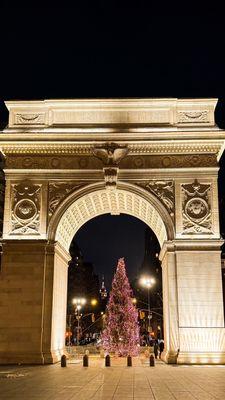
x,y
94,251
85,204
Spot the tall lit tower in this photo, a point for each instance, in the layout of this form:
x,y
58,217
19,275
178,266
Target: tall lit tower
x,y
103,291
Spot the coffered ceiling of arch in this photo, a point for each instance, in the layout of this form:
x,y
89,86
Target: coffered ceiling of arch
x,y
106,201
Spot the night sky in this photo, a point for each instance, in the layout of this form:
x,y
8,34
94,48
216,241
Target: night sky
x,y
101,50
106,238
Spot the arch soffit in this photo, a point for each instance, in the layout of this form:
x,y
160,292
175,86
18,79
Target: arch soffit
x,y
94,200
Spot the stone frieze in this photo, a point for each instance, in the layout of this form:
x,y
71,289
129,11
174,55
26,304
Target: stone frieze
x,y
52,162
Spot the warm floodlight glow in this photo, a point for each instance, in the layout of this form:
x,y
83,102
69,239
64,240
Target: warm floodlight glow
x,y
147,281
134,300
94,302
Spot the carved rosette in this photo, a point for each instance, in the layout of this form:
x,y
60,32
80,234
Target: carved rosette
x,y
163,190
196,208
26,199
58,192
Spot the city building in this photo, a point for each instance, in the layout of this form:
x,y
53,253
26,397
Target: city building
x,y
151,267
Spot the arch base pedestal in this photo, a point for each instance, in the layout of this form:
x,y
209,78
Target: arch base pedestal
x,y
195,358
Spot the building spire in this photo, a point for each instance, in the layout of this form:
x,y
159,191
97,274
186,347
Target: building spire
x,y
103,291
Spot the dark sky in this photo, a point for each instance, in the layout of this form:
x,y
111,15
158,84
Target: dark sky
x,y
111,51
103,49
106,238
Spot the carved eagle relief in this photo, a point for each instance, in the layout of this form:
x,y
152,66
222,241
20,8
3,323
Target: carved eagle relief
x,y
110,153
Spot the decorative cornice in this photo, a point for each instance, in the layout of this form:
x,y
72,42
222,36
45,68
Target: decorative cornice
x,y
98,112
178,147
47,148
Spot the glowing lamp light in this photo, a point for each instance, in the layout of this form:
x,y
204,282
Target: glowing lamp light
x,y
94,302
147,281
79,301
134,300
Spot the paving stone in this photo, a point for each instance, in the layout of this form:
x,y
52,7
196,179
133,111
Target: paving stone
x,y
164,382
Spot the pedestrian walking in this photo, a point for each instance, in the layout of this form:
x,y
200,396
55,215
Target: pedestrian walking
x,y
161,348
156,348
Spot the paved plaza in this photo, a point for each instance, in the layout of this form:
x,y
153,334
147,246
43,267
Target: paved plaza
x,y
118,382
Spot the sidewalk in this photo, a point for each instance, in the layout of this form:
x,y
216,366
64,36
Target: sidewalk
x,y
162,382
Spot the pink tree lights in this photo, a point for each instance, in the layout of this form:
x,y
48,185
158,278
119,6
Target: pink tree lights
x,y
121,334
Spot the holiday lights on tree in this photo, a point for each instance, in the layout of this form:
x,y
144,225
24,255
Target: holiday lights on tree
x,y
121,333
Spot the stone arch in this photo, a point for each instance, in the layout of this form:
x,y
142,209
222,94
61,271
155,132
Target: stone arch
x,y
168,141
93,200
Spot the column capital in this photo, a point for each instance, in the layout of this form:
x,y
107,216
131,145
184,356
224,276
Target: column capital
x,y
190,245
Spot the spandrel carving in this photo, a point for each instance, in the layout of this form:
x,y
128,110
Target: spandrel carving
x,y
58,192
163,190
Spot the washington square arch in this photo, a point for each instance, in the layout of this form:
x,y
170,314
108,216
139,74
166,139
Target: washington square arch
x,y
65,162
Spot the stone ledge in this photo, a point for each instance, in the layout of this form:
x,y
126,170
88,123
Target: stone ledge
x,y
170,112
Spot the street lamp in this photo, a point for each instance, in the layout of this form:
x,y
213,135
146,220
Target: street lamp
x,y
78,303
148,282
94,302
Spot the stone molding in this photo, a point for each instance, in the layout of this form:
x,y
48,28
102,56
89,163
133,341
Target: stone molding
x,y
172,246
172,112
178,147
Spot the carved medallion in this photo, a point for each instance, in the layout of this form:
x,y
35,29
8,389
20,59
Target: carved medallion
x,y
163,190
196,206
26,208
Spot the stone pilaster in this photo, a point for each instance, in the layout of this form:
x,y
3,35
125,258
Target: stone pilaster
x,y
33,288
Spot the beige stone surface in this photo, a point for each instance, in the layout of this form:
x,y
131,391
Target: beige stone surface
x,y
140,382
112,111
60,169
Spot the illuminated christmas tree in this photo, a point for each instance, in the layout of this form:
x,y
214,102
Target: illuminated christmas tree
x,y
121,334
